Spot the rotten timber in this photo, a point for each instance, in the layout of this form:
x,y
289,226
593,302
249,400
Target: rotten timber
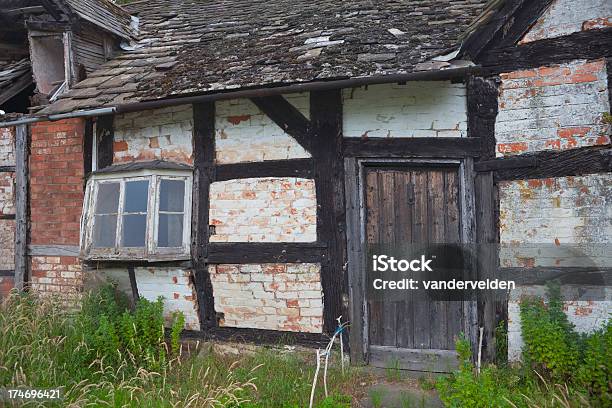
x,y
104,139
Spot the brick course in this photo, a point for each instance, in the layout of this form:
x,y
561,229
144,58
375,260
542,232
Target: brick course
x,y
565,17
553,213
286,297
553,108
416,109
61,275
7,206
56,182
163,133
245,134
264,210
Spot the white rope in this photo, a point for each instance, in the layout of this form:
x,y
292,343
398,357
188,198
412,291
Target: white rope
x,y
314,381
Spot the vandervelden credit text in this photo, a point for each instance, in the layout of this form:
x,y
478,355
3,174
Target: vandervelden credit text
x,y
385,263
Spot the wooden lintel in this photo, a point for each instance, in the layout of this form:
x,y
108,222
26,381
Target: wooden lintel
x,y
204,156
506,163
439,147
287,117
259,252
302,168
589,45
7,169
7,216
554,163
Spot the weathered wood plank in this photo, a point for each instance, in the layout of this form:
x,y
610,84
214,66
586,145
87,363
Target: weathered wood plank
x,y
431,360
257,336
7,169
7,216
88,140
287,117
354,246
302,168
204,156
105,134
326,123
439,147
133,285
21,206
259,252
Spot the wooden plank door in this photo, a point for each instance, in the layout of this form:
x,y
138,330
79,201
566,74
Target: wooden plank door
x,y
415,205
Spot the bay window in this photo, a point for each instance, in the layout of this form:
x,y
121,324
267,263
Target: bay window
x,y
139,215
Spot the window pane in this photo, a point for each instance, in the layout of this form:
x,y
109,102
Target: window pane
x,y
105,228
108,198
136,196
170,230
171,195
134,228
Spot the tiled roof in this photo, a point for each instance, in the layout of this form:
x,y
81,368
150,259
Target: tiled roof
x,y
196,46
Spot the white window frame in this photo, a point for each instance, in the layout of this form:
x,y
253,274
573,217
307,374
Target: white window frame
x,y
150,251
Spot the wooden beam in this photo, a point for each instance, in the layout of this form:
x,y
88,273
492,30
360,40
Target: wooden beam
x,y
7,169
554,163
257,336
204,157
260,252
440,147
590,45
105,134
7,273
7,216
482,94
302,168
505,163
287,117
21,206
327,139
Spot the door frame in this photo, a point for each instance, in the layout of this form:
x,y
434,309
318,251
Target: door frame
x,y
355,169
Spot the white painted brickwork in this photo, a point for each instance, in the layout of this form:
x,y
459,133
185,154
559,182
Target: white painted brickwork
x,y
174,284
565,17
264,210
417,109
285,297
245,134
7,199
164,133
552,108
556,211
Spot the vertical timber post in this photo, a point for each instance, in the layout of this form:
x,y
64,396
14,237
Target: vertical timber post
x,y
326,120
21,206
482,96
105,135
204,162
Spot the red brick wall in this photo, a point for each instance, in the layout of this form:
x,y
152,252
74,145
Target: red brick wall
x,y
56,200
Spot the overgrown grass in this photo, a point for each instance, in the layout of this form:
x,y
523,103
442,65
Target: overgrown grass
x,y
560,368
106,355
